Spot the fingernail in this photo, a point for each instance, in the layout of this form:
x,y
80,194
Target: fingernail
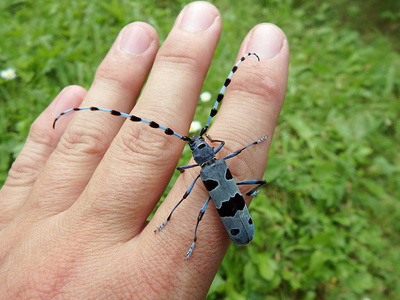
x,y
198,16
266,41
135,40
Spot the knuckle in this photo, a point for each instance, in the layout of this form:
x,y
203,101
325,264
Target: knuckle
x,y
105,71
254,84
82,141
27,165
39,136
182,59
22,171
144,144
110,75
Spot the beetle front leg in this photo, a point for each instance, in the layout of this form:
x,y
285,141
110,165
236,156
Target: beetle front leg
x,y
216,141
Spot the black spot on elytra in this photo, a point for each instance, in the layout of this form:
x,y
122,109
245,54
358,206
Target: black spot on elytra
x,y
229,208
228,175
251,221
210,184
235,231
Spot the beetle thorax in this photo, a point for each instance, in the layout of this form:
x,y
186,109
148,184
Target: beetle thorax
x,y
202,152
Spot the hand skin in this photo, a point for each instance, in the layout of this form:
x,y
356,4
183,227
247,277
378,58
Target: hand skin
x,y
73,209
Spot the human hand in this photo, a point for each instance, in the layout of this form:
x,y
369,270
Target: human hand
x,y
74,207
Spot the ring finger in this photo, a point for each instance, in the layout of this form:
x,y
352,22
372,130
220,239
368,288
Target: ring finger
x,y
117,84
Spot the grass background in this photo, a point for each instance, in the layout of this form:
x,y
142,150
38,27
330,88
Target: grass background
x,y
327,223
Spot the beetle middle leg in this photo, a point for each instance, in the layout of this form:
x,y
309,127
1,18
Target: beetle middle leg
x,y
180,201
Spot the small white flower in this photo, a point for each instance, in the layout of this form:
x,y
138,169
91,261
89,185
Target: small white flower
x,y
8,74
205,96
195,126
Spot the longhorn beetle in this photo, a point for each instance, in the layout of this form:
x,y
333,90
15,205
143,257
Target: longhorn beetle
x,y
214,173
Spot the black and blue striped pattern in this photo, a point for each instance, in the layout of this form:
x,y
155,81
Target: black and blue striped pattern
x,y
132,118
221,93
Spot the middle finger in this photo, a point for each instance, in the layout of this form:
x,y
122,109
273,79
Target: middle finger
x,y
141,160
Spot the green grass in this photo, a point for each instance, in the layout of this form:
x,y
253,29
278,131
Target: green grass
x,y
327,223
